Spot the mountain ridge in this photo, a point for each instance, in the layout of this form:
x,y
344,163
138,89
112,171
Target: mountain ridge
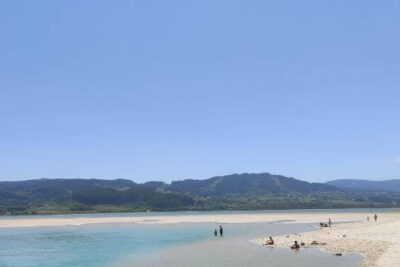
x,y
232,192
248,183
392,185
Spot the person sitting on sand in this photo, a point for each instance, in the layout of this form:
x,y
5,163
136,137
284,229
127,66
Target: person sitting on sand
x,y
270,242
295,245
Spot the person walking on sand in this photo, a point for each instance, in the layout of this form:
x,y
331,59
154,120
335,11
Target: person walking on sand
x,y
375,217
368,218
221,230
330,222
215,232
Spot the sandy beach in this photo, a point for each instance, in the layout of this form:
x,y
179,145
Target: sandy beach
x,y
378,242
37,221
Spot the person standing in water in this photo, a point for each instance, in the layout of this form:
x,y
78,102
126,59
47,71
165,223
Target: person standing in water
x,y
215,232
221,230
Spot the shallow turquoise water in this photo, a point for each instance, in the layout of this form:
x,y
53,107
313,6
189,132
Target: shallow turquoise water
x,y
154,245
92,245
235,250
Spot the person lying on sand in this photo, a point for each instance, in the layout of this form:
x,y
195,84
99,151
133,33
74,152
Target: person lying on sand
x,y
270,242
295,245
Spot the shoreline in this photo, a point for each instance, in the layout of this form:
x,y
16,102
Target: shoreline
x,y
378,242
194,212
289,217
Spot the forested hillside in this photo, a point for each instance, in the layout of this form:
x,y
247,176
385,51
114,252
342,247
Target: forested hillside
x,y
237,191
355,184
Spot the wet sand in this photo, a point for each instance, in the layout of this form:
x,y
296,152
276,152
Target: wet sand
x,y
235,250
378,242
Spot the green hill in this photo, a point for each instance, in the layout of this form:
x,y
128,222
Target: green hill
x,y
71,195
234,192
356,184
254,184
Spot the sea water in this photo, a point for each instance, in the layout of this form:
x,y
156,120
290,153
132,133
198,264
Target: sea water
x,y
233,249
181,244
194,213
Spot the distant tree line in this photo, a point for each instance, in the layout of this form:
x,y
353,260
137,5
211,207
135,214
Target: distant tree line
x,y
232,192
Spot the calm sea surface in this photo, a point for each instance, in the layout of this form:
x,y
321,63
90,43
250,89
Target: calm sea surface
x,y
144,214
183,244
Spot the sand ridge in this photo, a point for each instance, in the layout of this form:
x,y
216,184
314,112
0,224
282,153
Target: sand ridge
x,y
37,221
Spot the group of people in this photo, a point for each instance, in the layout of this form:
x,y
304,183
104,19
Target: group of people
x,y
221,231
329,224
296,245
375,217
271,242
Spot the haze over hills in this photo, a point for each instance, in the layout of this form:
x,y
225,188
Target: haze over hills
x,y
356,184
236,191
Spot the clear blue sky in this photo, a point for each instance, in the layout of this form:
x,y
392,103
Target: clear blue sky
x,y
191,89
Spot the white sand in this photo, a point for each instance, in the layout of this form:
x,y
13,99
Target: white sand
x,y
221,218
378,242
